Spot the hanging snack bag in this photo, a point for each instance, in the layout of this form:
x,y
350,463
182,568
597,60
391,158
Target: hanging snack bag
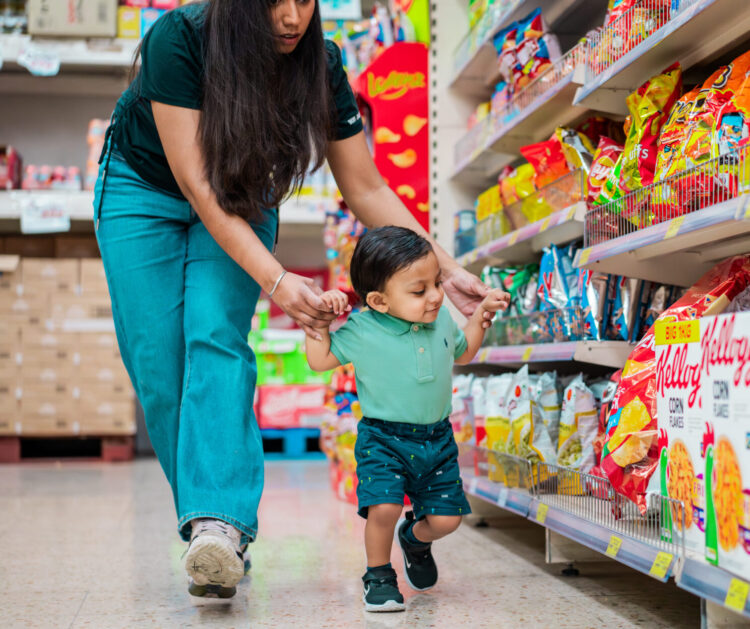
x,y
546,395
603,164
578,427
558,280
497,423
631,453
548,161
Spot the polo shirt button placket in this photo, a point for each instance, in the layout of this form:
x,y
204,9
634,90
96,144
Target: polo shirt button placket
x,y
416,328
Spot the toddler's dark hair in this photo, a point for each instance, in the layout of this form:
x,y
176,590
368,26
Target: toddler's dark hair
x,y
381,253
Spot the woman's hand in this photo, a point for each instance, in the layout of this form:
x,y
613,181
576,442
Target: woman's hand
x,y
467,291
300,298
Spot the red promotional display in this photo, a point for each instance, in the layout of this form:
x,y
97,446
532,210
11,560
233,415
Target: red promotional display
x,y
394,88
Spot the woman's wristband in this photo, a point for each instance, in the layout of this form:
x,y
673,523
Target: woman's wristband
x,y
276,284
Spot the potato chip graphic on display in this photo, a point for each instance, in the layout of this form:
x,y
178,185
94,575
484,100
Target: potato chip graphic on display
x,y
406,191
423,207
413,124
633,417
383,135
407,159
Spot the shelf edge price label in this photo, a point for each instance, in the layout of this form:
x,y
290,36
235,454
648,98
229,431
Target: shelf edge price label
x,y
585,255
571,213
473,486
661,565
513,238
527,354
737,595
502,497
614,546
674,227
541,513
545,225
483,355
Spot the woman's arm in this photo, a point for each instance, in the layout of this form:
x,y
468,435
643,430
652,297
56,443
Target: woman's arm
x,y
297,296
375,204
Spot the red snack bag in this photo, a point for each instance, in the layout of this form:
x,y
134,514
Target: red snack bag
x,y
548,161
631,453
605,159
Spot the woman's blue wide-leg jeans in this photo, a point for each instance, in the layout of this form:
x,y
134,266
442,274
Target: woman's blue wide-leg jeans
x,y
182,310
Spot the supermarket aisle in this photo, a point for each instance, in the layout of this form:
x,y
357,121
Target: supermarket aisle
x,y
97,549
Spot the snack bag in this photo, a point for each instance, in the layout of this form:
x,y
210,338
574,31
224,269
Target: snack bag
x,y
546,395
578,427
649,107
605,158
535,51
505,46
577,148
462,415
479,406
595,127
558,280
497,423
593,287
625,296
630,453
547,159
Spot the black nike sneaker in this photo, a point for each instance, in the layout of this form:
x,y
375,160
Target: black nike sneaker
x,y
419,566
381,592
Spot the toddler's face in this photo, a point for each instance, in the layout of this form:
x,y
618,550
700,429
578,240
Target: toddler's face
x,y
415,293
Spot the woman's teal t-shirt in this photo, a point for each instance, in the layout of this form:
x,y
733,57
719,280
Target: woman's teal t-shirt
x,y
172,73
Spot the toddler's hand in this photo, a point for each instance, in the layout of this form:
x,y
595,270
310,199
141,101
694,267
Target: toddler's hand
x,y
495,300
336,301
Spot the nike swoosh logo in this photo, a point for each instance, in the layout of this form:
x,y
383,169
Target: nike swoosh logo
x,y
367,590
406,561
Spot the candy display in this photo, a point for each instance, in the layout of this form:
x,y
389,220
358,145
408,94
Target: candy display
x,y
630,453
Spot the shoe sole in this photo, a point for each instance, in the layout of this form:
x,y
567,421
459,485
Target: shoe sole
x,y
388,606
403,555
211,562
210,593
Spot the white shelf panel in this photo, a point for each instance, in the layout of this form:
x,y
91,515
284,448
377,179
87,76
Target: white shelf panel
x,y
535,123
701,31
524,245
709,582
471,78
301,217
678,251
606,353
513,499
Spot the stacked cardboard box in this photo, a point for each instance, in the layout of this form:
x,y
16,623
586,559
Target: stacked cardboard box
x,y
59,360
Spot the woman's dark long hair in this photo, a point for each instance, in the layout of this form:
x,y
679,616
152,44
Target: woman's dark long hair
x,y
266,115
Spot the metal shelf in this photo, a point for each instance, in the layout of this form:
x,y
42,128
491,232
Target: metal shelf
x,y
607,353
513,499
711,582
472,74
701,31
677,251
524,244
534,123
609,541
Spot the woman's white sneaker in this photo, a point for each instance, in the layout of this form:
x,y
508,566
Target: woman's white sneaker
x,y
214,560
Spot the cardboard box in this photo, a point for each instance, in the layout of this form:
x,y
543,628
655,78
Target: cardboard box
x,y
681,431
73,18
725,393
63,273
92,276
129,22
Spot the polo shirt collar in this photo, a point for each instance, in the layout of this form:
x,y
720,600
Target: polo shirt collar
x,y
397,326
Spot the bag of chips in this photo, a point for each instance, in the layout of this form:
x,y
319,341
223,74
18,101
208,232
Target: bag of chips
x,y
479,407
595,127
497,422
577,148
505,47
558,280
546,395
579,423
530,438
625,294
593,287
535,51
605,158
547,159
630,453
462,413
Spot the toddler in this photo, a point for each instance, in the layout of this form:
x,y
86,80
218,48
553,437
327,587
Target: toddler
x,y
403,349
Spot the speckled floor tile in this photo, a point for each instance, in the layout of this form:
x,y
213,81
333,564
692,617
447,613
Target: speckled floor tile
x,y
88,545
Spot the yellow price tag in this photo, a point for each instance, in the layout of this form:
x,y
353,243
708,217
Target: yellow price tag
x,y
737,595
585,254
674,227
747,212
545,225
541,513
571,213
483,355
513,238
526,354
614,546
661,565
672,332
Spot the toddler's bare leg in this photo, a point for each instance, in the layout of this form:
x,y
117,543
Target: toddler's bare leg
x,y
381,522
435,526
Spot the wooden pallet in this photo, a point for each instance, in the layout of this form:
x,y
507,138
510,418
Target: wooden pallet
x,y
291,443
108,449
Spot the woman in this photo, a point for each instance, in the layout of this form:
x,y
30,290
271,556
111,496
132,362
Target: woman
x,y
233,102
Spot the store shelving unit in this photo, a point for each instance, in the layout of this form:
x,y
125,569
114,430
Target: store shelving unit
x,y
677,250
699,31
606,353
524,245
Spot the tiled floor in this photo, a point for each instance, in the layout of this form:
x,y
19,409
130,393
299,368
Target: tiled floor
x,y
87,545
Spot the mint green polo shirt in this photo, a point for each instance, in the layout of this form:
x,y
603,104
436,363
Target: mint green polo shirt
x,y
403,370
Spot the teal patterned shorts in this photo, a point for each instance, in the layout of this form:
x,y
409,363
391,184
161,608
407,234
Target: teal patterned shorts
x,y
418,460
